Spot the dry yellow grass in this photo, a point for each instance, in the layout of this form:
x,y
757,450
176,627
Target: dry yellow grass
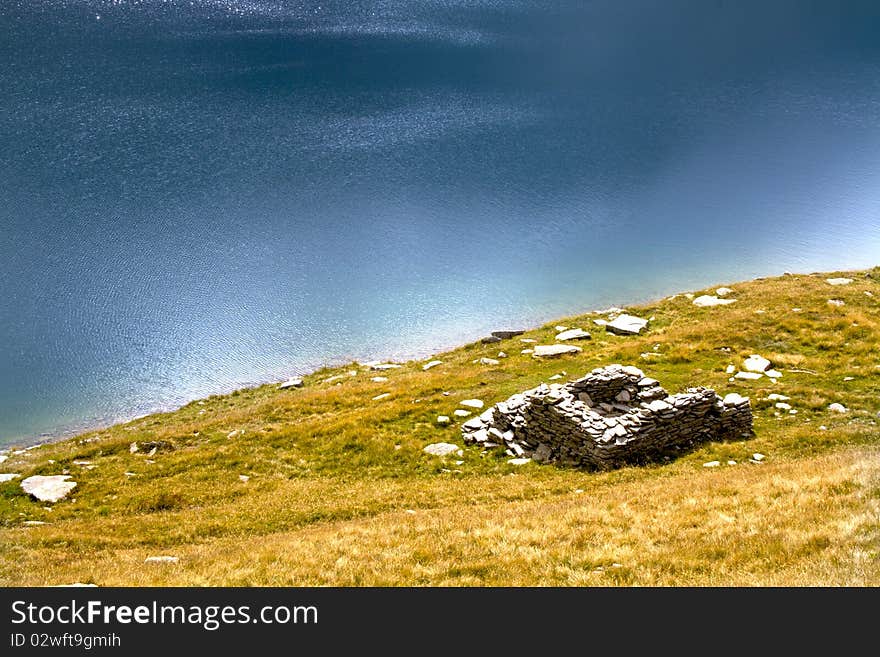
x,y
340,492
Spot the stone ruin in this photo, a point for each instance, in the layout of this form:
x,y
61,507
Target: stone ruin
x,y
612,417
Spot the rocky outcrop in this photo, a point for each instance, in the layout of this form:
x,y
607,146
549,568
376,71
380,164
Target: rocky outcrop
x,y
611,417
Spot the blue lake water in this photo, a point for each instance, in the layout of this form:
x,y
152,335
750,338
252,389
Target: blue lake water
x,y
199,196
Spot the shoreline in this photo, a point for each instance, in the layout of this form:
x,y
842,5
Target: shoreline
x,y
68,434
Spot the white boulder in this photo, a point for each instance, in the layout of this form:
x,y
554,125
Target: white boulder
x,y
626,325
50,488
706,300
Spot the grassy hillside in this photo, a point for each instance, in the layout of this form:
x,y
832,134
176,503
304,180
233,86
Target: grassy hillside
x,y
339,492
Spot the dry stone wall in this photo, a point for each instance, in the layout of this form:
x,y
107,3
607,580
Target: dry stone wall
x,y
613,416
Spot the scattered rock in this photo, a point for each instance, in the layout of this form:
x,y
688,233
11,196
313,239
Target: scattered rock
x,y
384,367
838,281
3,457
501,354
506,335
519,461
291,383
600,322
384,395
777,397
162,559
433,363
133,448
849,378
773,374
525,352
573,334
472,403
50,488
712,464
731,463
553,350
757,456
837,408
34,523
560,328
555,377
379,379
244,478
460,412
8,476
836,302
705,301
822,427
756,363
748,376
626,325
331,379
782,406
442,449
443,419
489,361
492,339
730,369
528,340
723,291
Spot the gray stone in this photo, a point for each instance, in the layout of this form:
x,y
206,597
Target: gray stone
x,y
50,488
838,281
491,339
384,395
443,419
472,403
433,363
712,464
379,379
489,361
506,335
460,412
748,376
837,408
442,449
573,334
553,350
626,325
291,383
723,291
8,476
